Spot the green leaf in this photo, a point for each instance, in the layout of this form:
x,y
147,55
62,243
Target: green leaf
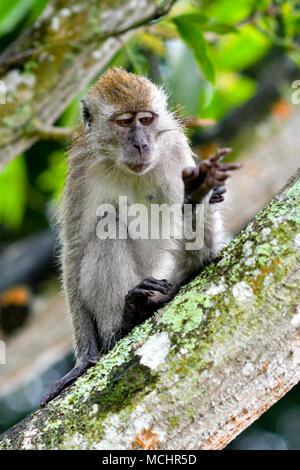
x,y
232,91
205,23
237,52
35,11
14,11
13,193
194,38
232,12
11,13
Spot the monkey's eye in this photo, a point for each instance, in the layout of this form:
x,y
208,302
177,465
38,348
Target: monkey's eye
x,y
124,122
146,120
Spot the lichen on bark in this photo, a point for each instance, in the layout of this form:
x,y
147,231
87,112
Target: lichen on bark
x,y
53,60
195,375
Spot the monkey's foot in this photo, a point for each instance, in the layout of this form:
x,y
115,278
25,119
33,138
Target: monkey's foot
x,y
209,174
65,381
139,302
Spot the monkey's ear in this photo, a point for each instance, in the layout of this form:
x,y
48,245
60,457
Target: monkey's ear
x,y
86,115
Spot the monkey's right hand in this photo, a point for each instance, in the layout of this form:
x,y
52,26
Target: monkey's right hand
x,y
209,175
139,302
65,381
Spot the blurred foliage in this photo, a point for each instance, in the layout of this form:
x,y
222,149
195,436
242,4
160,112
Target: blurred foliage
x,y
13,193
14,12
201,53
17,15
52,178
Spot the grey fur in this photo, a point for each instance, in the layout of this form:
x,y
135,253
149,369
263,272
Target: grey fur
x,y
98,273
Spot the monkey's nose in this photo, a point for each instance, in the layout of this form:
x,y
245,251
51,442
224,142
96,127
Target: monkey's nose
x,y
141,147
140,141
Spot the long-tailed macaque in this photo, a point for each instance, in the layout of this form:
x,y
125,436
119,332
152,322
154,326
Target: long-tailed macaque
x,y
130,145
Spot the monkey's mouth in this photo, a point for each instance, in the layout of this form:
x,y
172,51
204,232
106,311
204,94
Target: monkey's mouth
x,y
138,167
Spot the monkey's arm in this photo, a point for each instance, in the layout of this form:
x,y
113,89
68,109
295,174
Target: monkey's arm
x,y
203,187
208,175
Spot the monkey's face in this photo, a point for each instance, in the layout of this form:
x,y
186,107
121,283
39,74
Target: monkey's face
x,y
129,139
125,121
135,131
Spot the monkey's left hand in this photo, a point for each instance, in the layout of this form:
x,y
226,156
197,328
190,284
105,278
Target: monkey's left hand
x,y
209,175
139,302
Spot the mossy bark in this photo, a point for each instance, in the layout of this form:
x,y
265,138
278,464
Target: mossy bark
x,y
56,58
205,367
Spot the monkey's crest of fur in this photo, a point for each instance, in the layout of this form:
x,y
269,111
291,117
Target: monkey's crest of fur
x,y
124,91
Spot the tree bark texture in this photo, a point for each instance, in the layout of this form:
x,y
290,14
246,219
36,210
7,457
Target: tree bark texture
x,y
53,60
203,368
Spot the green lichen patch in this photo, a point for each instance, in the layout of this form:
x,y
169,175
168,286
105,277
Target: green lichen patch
x,y
173,422
127,386
185,312
218,313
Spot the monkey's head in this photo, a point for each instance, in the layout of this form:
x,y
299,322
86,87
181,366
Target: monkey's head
x,y
124,117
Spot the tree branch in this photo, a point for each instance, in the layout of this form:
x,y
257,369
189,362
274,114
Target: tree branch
x,y
57,57
42,131
205,367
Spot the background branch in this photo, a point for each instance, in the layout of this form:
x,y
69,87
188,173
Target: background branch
x,y
80,41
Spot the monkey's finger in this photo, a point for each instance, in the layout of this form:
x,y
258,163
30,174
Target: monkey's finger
x,y
219,176
163,282
93,362
204,167
219,190
228,166
220,154
158,280
191,173
155,287
215,199
139,292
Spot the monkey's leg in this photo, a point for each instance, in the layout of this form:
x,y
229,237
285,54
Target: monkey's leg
x,y
140,302
87,350
209,174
